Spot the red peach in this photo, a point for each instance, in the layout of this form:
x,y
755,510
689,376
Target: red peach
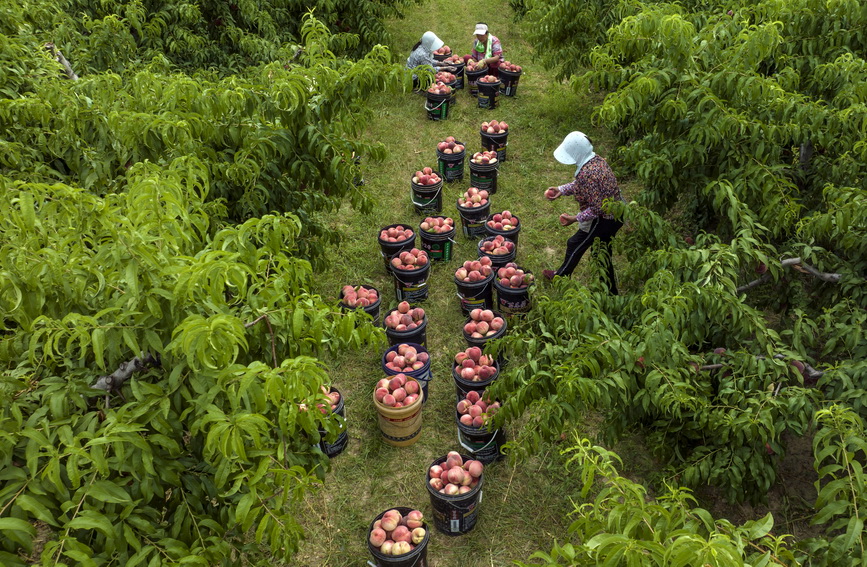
x,y
377,537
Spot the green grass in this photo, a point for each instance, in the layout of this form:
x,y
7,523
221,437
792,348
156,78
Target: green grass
x,y
524,508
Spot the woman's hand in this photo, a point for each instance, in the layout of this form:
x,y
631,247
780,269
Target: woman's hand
x,y
552,193
567,219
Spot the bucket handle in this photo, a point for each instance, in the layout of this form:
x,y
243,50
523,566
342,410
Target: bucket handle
x,y
483,447
442,102
403,282
440,190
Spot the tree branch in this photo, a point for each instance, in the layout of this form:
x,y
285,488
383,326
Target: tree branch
x,y
270,330
58,56
113,382
797,264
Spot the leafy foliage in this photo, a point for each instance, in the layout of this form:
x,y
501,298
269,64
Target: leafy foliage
x,y
150,211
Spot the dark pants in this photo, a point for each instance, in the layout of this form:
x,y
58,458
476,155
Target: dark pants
x,y
604,230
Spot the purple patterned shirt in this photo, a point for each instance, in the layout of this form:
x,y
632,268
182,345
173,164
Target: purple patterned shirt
x,y
496,49
593,184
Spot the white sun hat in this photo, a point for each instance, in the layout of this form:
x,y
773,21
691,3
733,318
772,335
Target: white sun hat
x,y
481,29
431,42
575,149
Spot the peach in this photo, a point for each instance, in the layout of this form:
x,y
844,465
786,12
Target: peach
x,y
402,533
473,396
467,420
460,357
436,483
412,387
435,471
400,395
401,547
387,547
476,314
452,489
470,328
464,407
475,469
390,521
464,489
468,373
473,410
418,535
380,393
483,327
377,537
478,421
389,400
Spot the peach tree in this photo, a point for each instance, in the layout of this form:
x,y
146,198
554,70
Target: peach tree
x,y
744,316
162,355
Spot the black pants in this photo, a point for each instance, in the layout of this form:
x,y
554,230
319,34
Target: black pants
x,y
604,230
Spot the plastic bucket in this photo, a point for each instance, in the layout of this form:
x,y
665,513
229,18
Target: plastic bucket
x,y
451,166
483,445
399,426
427,199
496,143
455,515
417,335
441,57
498,260
423,375
473,220
334,449
481,342
415,558
389,250
453,97
437,106
463,387
509,82
510,234
489,95
476,294
473,78
512,301
438,245
372,310
459,74
411,285
484,176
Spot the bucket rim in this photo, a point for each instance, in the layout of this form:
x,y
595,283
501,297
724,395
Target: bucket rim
x,y
484,340
495,231
481,84
457,497
399,242
398,334
496,136
372,306
427,188
501,288
470,430
511,73
478,72
480,283
419,271
419,348
481,383
405,411
471,209
484,167
419,549
439,97
437,235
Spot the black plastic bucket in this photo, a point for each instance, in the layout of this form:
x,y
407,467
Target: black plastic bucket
x,y
389,250
484,176
512,301
496,143
437,106
438,245
453,97
424,374
463,387
476,295
417,335
473,220
509,82
415,558
334,449
451,166
372,309
484,446
510,234
411,285
481,342
427,199
498,260
455,515
472,79
459,74
441,57
489,95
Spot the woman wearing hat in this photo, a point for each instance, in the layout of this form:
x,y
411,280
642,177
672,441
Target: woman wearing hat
x,y
422,54
594,182
487,49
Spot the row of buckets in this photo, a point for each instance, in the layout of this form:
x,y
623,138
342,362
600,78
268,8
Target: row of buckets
x,y
487,95
452,515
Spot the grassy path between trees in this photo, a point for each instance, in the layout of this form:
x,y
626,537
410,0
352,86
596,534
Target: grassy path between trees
x,y
524,507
